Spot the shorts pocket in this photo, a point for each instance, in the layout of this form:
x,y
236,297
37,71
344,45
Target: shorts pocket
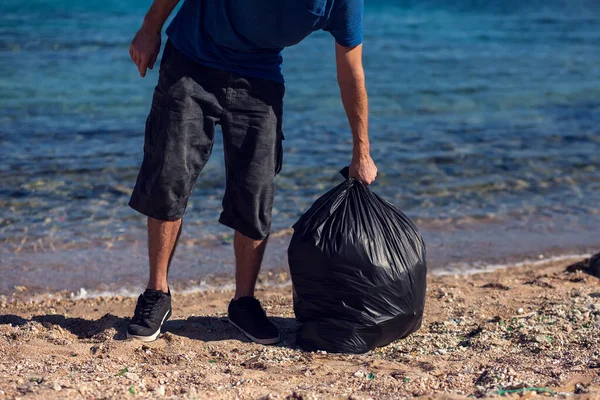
x,y
280,136
279,151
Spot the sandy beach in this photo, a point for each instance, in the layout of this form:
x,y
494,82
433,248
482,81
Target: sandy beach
x,y
520,333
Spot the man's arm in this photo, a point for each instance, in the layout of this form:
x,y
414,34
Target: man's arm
x,y
145,46
351,79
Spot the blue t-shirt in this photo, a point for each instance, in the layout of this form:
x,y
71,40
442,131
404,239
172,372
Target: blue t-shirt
x,y
247,36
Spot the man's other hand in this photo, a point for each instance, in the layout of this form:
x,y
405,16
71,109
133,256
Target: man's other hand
x,y
364,169
144,49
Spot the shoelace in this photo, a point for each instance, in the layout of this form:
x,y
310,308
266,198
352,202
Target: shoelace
x,y
149,305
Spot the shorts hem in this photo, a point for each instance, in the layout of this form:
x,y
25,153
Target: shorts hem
x,y
135,205
242,230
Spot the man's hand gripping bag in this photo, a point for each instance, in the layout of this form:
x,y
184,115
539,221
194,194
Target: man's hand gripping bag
x,y
358,272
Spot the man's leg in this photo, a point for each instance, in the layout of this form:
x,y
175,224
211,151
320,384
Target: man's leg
x,y
162,242
245,311
248,259
177,144
253,156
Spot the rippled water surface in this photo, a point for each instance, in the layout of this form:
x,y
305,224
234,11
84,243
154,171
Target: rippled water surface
x,y
485,125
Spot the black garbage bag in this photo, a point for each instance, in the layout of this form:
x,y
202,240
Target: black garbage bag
x,y
358,271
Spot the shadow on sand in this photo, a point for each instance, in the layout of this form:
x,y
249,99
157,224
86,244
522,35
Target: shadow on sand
x,y
203,328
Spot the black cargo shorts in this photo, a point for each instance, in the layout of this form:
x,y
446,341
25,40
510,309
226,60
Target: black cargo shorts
x,y
189,101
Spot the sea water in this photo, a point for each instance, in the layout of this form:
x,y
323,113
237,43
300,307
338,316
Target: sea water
x,y
484,123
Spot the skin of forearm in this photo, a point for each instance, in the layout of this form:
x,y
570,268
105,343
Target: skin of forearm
x,y
354,98
158,14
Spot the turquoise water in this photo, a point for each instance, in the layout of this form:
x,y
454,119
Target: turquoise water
x,y
485,125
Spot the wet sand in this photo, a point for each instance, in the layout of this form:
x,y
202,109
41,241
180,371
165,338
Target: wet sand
x,y
519,332
457,245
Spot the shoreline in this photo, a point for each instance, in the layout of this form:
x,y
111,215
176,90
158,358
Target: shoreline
x,y
269,277
454,246
511,331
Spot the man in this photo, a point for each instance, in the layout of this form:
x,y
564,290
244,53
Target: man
x,y
222,65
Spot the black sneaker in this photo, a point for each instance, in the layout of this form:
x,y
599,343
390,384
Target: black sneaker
x,y
152,310
248,316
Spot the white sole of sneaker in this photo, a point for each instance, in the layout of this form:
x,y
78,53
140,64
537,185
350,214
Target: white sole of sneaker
x,y
257,340
154,336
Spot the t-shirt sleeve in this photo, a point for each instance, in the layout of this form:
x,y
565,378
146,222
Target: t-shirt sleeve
x,y
346,22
